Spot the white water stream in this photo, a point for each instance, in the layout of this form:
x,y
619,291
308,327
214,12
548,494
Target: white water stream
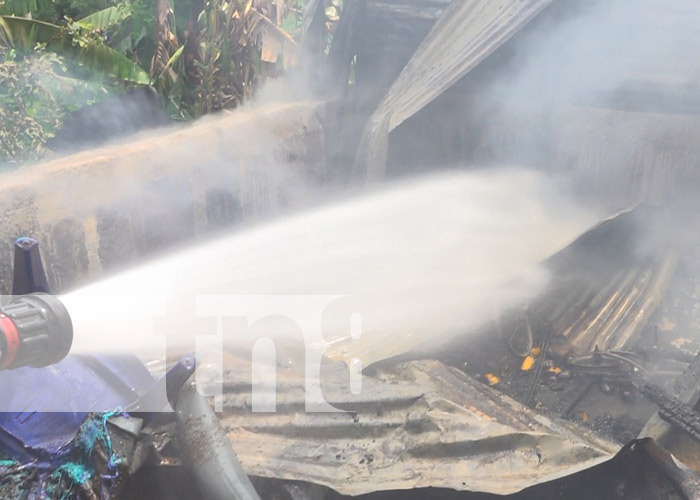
x,y
417,261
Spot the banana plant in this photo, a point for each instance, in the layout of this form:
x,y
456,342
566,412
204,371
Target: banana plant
x,y
220,59
74,40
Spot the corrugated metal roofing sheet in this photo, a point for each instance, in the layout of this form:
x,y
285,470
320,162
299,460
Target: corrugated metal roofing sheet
x,y
466,33
417,424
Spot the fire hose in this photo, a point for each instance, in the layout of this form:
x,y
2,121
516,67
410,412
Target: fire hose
x,y
36,331
35,327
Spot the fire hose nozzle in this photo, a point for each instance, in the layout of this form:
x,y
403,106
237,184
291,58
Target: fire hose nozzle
x,y
35,330
29,275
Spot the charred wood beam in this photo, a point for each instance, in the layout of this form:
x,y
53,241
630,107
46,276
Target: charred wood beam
x,y
674,411
687,390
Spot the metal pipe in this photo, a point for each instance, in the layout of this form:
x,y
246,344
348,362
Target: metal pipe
x,y
207,450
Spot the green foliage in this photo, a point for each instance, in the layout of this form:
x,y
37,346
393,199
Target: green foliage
x,y
23,7
53,11
292,18
26,110
75,9
220,58
119,24
106,18
72,40
203,56
133,36
35,92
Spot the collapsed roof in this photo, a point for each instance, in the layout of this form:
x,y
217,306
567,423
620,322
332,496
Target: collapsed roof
x,y
465,34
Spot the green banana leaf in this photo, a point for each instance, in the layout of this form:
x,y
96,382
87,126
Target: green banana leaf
x,y
106,17
24,35
18,7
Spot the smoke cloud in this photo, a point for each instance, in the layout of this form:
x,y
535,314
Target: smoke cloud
x,y
597,48
606,92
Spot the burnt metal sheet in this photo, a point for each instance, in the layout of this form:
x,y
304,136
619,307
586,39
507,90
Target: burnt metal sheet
x,y
606,285
467,32
416,424
602,291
